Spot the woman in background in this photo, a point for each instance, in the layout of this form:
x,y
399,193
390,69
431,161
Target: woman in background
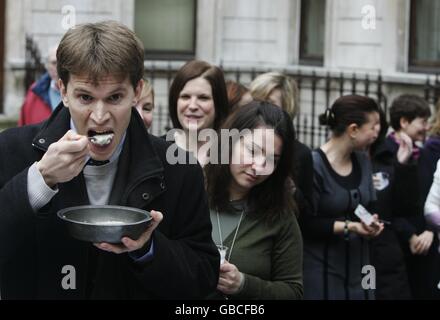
x,y
278,89
335,240
145,105
409,115
282,91
197,101
432,204
238,95
252,210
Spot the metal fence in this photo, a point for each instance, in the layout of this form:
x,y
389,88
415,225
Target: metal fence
x,y
34,67
432,89
317,90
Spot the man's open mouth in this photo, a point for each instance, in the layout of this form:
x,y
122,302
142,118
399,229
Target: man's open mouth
x,y
100,138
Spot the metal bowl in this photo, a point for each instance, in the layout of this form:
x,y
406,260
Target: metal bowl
x,y
105,223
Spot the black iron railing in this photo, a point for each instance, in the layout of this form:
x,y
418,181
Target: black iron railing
x,y
432,88
34,67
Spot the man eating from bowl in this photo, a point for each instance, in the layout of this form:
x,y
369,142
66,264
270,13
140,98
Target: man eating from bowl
x,y
95,150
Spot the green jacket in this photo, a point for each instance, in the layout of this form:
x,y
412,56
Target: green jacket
x,y
269,256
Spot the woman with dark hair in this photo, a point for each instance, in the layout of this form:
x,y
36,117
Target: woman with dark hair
x,y
252,210
145,105
409,116
277,88
430,154
335,246
238,94
197,101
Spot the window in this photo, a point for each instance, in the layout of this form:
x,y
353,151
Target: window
x,y
424,51
167,28
311,48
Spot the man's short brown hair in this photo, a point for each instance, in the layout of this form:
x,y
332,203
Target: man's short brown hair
x,y
101,49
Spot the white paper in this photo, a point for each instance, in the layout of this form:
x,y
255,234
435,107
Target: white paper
x,y
364,215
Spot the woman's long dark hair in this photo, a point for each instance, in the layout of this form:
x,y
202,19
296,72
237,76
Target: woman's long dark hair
x,y
272,198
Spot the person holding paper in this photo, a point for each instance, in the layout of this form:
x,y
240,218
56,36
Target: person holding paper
x,y
335,240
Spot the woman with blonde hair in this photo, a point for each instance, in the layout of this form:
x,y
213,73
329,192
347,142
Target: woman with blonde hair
x,y
145,106
278,89
335,240
282,91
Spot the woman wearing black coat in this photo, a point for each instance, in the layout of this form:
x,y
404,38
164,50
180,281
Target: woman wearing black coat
x,y
394,197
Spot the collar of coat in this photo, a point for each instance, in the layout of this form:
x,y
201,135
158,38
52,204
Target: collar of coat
x,y
141,159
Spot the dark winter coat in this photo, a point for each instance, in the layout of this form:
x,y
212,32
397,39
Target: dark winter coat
x,y
34,247
393,203
422,270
